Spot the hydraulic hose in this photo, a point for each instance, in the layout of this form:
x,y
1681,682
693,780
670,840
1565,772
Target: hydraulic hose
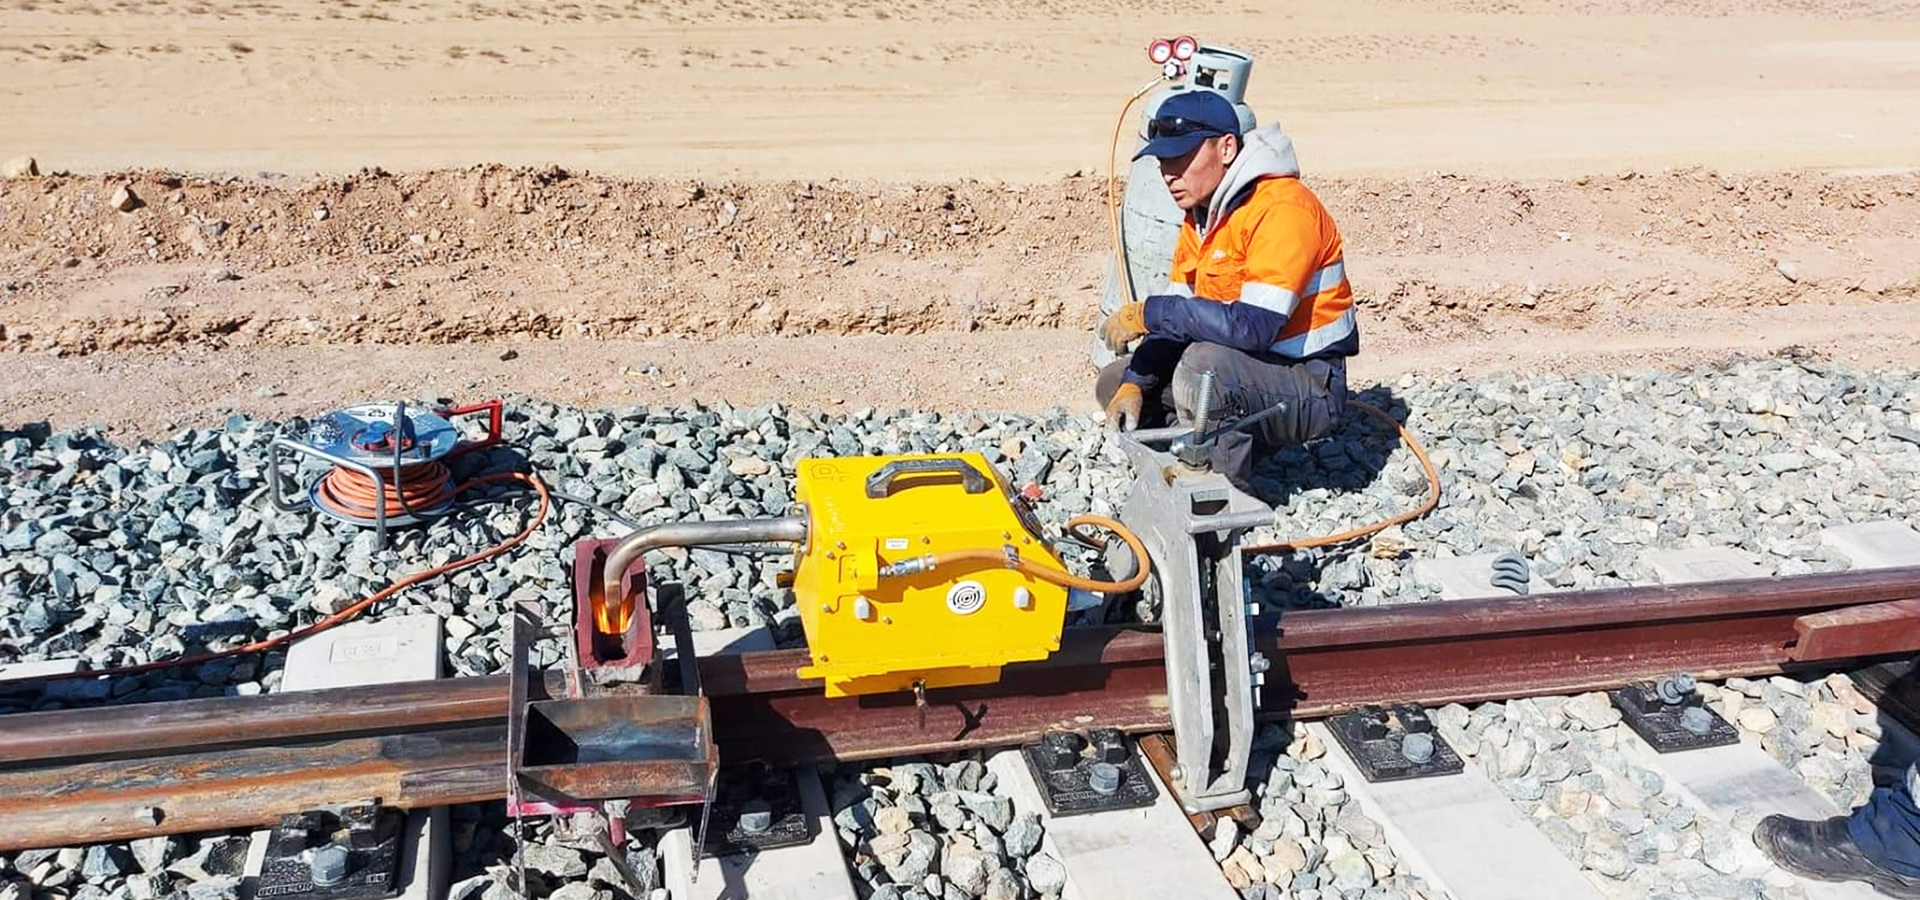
x,y
1008,559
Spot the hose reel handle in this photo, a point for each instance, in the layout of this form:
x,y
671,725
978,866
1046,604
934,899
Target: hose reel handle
x,y
494,410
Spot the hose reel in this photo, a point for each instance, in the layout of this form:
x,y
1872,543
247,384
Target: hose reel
x,y
388,463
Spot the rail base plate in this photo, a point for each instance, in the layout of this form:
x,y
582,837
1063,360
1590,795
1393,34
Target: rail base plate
x,y
755,795
1664,726
354,851
1087,773
1395,743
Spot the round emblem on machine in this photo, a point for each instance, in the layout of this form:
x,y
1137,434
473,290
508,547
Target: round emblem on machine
x,y
965,598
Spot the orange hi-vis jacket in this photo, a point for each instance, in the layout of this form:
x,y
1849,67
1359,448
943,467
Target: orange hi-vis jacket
x,y
1267,243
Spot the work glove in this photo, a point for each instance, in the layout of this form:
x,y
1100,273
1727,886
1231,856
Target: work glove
x,y
1126,323
1123,411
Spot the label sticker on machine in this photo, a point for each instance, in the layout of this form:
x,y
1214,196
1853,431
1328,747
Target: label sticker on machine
x,y
896,543
965,598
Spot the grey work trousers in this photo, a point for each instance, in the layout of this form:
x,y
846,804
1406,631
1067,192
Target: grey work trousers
x,y
1314,392
1887,827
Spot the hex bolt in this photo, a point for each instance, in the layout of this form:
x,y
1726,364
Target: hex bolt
x,y
1417,747
1676,688
1697,720
756,817
1258,663
1061,749
329,865
1110,746
1104,778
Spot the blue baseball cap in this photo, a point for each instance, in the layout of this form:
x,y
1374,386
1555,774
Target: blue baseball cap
x,y
1186,119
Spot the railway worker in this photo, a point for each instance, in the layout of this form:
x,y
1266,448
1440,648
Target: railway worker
x,y
1258,293
1879,843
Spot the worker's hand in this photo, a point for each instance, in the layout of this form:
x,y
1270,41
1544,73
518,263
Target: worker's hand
x,y
1126,323
1123,411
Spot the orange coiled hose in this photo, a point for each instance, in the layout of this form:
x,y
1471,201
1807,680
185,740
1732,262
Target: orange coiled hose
x,y
418,489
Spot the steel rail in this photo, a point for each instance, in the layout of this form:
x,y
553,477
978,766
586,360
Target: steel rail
x,y
242,787
142,730
1325,662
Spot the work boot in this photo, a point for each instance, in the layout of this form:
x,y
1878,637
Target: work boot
x,y
1825,851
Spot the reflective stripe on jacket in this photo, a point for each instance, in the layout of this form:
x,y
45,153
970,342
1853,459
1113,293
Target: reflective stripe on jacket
x,y
1270,243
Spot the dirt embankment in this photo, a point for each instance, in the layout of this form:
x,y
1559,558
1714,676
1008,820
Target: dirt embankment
x,y
493,252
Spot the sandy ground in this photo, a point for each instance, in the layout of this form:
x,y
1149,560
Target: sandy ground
x,y
901,204
1019,89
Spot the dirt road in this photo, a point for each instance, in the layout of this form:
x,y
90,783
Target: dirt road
x,y
942,90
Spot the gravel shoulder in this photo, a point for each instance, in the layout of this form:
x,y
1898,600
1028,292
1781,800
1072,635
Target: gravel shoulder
x,y
151,393
1580,473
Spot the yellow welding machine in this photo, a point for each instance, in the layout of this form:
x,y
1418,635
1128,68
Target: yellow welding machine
x,y
911,573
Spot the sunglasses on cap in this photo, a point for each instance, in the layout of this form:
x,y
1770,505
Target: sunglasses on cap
x,y
1174,126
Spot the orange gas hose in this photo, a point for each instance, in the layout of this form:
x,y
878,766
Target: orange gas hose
x,y
357,608
998,557
1433,495
1113,192
1427,506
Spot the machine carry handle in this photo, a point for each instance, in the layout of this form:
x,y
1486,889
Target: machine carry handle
x,y
880,483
